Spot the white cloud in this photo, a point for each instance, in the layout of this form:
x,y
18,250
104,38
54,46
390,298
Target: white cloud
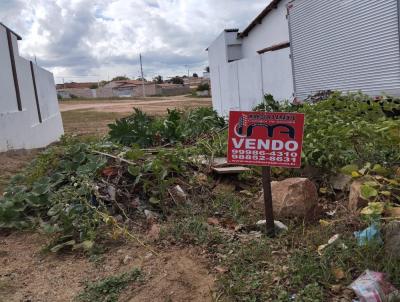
x,y
97,39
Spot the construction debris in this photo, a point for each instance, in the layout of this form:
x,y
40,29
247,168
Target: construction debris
x,y
231,170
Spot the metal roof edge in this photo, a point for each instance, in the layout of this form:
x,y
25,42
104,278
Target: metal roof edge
x,y
19,38
259,18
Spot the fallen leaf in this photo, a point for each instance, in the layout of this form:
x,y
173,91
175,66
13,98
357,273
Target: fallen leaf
x,y
109,171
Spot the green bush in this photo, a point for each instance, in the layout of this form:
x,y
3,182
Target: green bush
x,y
177,126
345,129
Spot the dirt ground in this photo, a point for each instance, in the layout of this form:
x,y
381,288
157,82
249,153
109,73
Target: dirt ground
x,y
155,106
92,117
28,274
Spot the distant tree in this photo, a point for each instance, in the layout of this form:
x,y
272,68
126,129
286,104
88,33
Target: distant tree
x,y
195,75
140,79
103,83
207,69
120,78
94,86
158,79
177,80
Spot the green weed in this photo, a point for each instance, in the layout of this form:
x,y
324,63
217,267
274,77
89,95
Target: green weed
x,y
193,230
109,289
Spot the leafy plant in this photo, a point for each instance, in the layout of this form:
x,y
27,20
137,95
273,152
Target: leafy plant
x,y
135,129
177,126
345,129
57,197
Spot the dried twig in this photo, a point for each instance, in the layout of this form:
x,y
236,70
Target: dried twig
x,y
115,157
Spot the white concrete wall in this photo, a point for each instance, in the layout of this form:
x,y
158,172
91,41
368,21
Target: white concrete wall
x,y
273,30
7,91
277,74
241,84
22,129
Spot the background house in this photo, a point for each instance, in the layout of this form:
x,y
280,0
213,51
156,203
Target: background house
x,y
123,89
298,48
29,112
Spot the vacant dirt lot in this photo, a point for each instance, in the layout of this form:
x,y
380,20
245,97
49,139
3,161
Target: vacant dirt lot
x,y
92,117
29,274
155,106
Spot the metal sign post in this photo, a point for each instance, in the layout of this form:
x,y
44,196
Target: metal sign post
x,y
268,207
267,139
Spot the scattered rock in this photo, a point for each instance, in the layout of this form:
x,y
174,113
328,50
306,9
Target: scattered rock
x,y
355,199
336,289
219,162
279,226
154,232
127,259
393,212
293,197
341,182
148,256
179,191
151,216
392,239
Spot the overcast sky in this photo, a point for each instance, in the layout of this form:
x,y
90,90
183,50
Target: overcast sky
x,y
90,40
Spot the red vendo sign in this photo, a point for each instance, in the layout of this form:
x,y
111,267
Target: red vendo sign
x,y
265,138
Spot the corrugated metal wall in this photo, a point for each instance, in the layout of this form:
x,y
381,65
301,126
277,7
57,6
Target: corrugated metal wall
x,y
346,45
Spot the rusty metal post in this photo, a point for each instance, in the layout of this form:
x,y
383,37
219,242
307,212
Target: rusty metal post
x,y
269,213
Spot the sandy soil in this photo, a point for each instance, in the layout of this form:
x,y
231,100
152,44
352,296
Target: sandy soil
x,y
152,105
27,274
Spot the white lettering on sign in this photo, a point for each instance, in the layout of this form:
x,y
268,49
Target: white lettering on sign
x,y
259,144
251,144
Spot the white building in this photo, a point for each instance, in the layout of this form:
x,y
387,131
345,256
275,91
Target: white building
x,y
244,66
29,113
297,48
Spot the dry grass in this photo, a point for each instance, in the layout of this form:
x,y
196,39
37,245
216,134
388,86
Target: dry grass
x,y
88,122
